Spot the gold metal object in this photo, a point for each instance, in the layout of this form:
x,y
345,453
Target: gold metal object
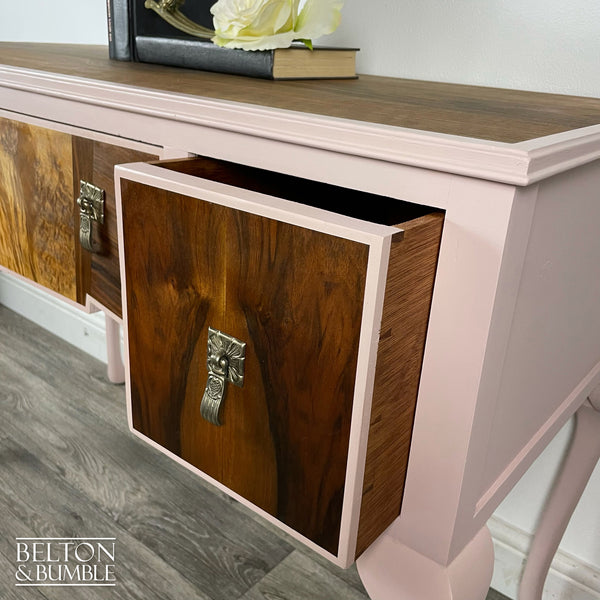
x,y
169,11
91,208
225,362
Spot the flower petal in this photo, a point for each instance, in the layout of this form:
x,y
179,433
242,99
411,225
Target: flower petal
x,y
275,16
270,42
295,7
318,17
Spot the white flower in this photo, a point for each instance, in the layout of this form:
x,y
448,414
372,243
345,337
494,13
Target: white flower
x,y
268,24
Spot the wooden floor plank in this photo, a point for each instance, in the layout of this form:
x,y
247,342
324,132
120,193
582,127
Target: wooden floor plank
x,y
300,578
202,537
69,466
39,504
8,591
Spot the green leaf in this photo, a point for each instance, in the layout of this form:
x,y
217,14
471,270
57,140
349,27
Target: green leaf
x,y
307,43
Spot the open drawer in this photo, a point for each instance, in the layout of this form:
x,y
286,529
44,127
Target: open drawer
x,y
308,305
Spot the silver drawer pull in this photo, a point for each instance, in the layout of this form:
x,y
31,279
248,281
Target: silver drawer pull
x,y
91,209
225,362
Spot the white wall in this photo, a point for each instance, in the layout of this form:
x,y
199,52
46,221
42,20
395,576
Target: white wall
x,y
54,21
544,45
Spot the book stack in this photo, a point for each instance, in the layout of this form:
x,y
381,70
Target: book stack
x,y
138,34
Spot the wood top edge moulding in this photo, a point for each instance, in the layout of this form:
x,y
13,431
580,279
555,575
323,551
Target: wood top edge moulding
x,y
469,130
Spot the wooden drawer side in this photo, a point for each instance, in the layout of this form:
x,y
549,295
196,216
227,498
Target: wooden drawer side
x,y
406,308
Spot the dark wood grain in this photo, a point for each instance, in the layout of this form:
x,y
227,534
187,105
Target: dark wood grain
x,y
99,274
473,111
175,288
295,296
406,308
299,298
36,206
105,282
83,169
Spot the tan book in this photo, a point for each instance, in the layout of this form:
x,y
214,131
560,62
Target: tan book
x,y
319,63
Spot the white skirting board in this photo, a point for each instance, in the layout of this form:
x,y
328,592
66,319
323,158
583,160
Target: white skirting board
x,y
83,330
569,578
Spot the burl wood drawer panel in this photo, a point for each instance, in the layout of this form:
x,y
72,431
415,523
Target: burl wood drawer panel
x,y
40,174
37,211
330,291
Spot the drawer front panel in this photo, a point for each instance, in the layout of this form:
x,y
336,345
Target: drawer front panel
x,y
295,296
99,271
37,230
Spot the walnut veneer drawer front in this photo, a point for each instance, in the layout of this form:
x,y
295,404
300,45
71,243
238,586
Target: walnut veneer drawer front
x,y
37,209
99,272
328,289
40,174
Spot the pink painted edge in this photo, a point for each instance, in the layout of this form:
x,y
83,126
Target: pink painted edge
x,y
79,132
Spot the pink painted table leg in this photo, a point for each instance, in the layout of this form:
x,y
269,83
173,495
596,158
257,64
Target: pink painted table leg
x,y
391,570
115,369
581,458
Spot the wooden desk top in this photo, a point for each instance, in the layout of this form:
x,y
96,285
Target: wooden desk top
x,y
493,114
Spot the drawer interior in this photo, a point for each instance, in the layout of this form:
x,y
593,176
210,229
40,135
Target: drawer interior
x,y
373,208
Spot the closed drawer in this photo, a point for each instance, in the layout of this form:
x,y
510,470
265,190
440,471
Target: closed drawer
x,y
99,275
329,289
37,206
40,174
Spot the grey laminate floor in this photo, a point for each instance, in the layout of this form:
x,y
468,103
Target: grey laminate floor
x,y
70,468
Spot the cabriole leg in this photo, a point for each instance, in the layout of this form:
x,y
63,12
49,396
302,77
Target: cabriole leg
x,y
392,571
581,458
115,370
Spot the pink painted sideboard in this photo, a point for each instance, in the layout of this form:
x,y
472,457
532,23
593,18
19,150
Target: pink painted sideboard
x,y
513,342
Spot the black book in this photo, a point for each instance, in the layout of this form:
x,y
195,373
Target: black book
x,y
297,62
120,46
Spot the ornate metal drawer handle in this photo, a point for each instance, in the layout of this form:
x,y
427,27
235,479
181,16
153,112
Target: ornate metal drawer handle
x,y
91,208
225,362
169,11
